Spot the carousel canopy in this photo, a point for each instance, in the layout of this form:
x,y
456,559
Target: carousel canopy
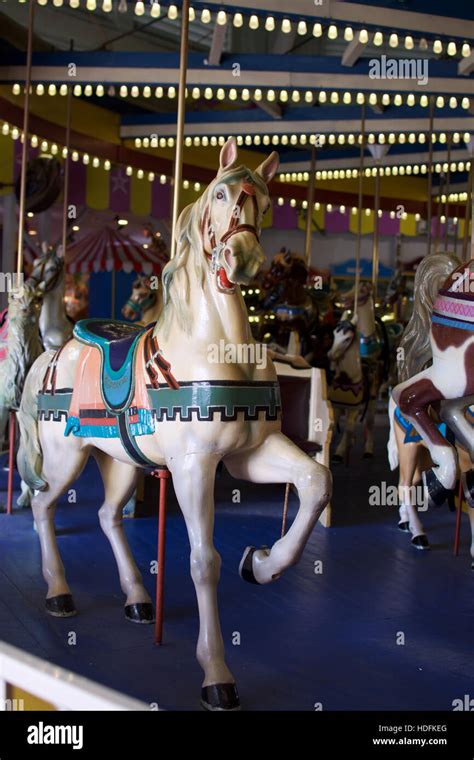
x,y
107,250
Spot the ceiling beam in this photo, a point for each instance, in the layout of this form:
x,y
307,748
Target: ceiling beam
x,y
353,51
466,65
310,126
217,44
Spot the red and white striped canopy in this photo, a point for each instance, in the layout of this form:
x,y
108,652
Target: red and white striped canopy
x,y
107,250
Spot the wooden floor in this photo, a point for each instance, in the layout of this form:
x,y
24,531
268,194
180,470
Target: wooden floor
x,y
309,638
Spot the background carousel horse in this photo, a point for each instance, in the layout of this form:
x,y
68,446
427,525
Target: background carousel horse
x,y
449,378
54,324
145,303
205,412
292,302
23,347
346,387
405,447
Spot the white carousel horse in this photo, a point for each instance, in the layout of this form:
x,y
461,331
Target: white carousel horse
x,y
346,390
204,413
450,378
54,325
370,347
405,447
145,303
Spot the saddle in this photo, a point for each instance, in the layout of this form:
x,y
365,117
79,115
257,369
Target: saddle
x,y
117,343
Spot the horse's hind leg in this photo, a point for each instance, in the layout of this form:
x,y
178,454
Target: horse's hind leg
x,y
453,414
59,601
119,483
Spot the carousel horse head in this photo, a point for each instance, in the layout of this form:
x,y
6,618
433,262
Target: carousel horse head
x,y
143,297
221,232
344,335
430,275
365,293
24,305
48,269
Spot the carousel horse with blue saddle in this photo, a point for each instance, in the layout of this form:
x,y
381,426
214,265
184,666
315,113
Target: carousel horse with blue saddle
x,y
149,397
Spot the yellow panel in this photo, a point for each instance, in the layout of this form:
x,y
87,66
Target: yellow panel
x,y
30,702
140,196
97,188
408,225
367,223
268,218
6,162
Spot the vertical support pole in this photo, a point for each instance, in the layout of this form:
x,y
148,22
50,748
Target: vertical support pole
x,y
163,476
178,163
11,460
429,213
26,124
446,190
66,170
359,209
113,284
309,211
375,245
457,533
467,213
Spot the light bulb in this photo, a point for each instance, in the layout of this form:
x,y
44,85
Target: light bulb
x,y
222,18
317,30
409,44
139,8
378,39
155,11
363,36
238,20
393,41
286,26
206,16
348,34
302,29
332,32
466,50
91,5
270,24
107,6
452,50
437,47
172,12
253,21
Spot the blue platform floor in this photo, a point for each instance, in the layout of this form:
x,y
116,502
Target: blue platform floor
x,y
328,638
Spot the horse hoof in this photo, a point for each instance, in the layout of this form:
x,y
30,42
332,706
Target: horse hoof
x,y
61,606
220,697
368,455
421,542
337,459
467,480
245,567
141,612
437,493
404,526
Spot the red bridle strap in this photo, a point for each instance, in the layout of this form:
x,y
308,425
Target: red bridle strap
x,y
248,191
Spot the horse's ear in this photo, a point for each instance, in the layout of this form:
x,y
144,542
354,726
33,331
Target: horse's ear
x,y
60,252
228,155
269,167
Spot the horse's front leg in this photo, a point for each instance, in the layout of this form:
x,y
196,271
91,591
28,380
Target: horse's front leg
x,y
414,398
193,480
278,460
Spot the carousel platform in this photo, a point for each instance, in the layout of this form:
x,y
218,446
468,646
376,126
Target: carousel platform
x,y
327,638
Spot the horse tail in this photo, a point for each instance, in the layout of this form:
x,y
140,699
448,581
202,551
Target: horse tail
x,y
392,447
30,455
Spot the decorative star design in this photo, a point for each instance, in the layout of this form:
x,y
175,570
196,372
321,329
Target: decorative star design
x,y
120,182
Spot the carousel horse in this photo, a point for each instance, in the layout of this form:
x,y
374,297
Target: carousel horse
x,y
23,347
346,388
54,325
145,303
405,447
450,378
3,334
151,397
291,301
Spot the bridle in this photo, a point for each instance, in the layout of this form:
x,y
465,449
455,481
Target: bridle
x,y
248,191
139,308
53,281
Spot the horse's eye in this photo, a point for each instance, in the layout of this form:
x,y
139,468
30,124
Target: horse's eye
x,y
220,195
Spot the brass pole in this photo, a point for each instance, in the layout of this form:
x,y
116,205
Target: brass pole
x,y
26,123
467,214
309,213
375,245
359,209
446,190
66,169
178,163
430,176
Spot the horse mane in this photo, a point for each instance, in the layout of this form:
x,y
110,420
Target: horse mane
x,y
189,245
430,276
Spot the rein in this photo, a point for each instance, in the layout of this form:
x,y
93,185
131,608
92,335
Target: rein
x,y
248,191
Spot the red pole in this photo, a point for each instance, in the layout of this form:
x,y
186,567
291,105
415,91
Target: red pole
x,y
11,458
163,475
458,521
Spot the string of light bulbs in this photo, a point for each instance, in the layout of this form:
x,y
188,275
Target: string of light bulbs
x,y
272,23
246,94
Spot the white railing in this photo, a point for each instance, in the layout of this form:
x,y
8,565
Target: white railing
x,y
58,686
